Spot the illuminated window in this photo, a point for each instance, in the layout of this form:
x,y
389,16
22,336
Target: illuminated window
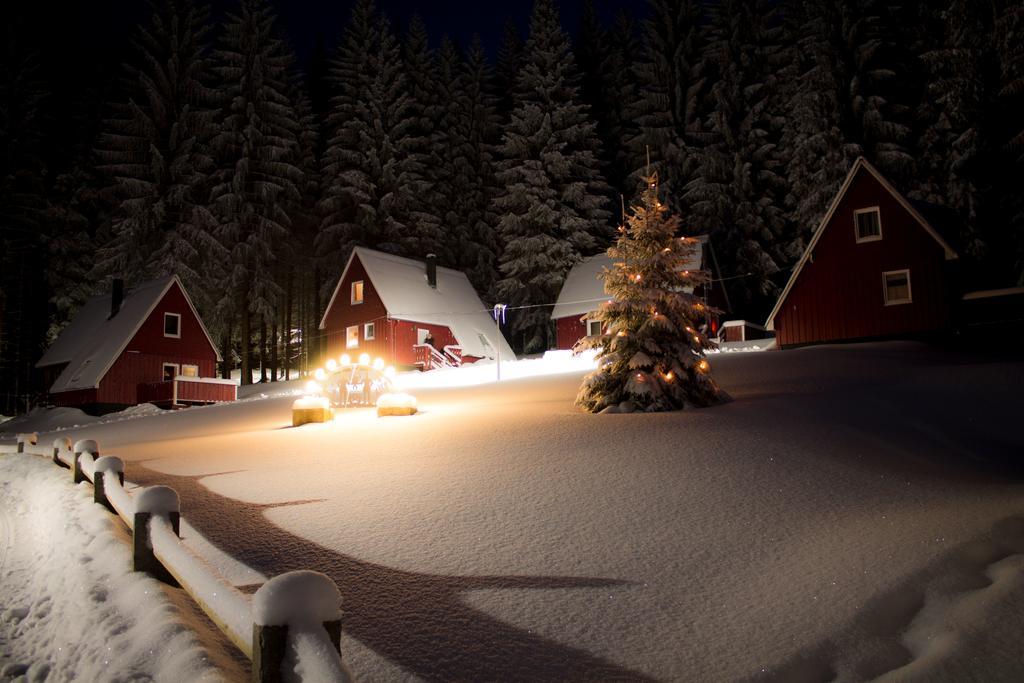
x,y
593,328
352,337
170,371
369,331
868,224
357,292
172,325
897,287
189,370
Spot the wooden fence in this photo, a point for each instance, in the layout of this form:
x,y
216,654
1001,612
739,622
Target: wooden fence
x,y
259,624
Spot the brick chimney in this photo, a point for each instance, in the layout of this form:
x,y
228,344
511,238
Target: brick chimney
x,y
116,296
432,270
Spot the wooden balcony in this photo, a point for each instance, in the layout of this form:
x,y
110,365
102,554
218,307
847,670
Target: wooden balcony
x,y
185,391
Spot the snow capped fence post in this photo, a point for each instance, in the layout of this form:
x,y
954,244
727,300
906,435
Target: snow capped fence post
x,y
305,606
154,500
106,465
61,443
83,446
31,438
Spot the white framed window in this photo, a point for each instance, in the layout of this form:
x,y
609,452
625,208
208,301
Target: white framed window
x,y
357,292
172,325
352,337
169,371
369,331
593,328
867,224
189,370
896,287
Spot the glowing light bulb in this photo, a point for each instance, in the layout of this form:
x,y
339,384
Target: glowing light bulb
x,y
364,359
312,387
622,333
332,365
320,374
668,376
378,364
637,277
703,365
345,359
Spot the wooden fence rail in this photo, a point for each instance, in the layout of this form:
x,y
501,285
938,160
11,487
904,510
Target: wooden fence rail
x,y
258,626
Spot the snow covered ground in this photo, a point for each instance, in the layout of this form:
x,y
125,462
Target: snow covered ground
x,y
70,607
856,512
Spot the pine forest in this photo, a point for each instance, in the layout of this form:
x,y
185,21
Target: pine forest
x,y
206,148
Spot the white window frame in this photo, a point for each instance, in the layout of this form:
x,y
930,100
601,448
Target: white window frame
x,y
352,337
856,225
164,366
369,331
885,288
181,370
352,291
173,315
591,321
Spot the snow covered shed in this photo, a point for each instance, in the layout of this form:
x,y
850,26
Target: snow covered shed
x,y
390,307
148,345
583,292
874,268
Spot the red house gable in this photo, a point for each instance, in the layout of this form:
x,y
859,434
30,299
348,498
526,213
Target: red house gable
x,y
343,312
873,268
154,333
384,306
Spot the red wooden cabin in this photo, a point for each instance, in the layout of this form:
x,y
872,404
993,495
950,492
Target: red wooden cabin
x,y
583,292
148,345
390,307
874,268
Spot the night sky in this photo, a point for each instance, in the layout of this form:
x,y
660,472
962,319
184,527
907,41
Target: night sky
x,y
97,33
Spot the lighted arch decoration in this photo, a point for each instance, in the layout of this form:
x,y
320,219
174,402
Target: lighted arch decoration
x,y
346,382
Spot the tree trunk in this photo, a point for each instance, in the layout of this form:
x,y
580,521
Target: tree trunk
x,y
225,351
288,326
274,356
245,333
313,332
263,349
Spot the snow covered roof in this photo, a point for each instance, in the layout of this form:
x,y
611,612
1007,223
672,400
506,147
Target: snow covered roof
x,y
860,164
91,342
583,289
402,286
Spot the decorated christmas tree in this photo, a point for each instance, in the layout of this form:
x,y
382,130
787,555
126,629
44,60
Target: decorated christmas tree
x,y
651,349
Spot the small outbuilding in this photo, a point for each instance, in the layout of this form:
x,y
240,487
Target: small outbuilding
x,y
146,345
874,268
410,313
583,292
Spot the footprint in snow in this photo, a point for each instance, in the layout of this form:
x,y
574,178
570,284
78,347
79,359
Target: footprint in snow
x,y
12,671
16,614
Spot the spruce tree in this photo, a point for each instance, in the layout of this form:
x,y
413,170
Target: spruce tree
x,y
819,156
259,178
552,206
156,150
651,349
1009,141
668,106
23,319
472,129
738,195
425,149
373,167
954,156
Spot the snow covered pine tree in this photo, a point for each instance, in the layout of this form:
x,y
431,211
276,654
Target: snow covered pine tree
x,y
651,352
